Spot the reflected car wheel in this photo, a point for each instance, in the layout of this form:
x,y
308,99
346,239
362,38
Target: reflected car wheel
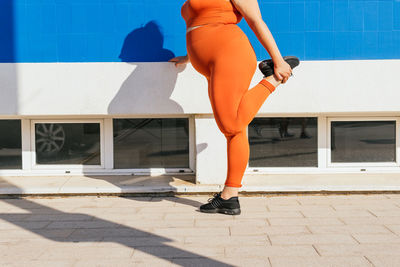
x,y
50,138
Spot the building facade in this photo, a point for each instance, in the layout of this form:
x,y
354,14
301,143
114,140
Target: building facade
x,y
86,88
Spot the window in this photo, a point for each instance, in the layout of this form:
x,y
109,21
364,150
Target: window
x,y
283,142
67,143
151,143
10,144
363,141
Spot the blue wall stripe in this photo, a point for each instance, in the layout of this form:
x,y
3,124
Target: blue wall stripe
x,y
144,30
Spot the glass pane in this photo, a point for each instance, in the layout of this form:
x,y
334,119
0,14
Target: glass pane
x,y
363,141
151,143
10,144
67,143
283,142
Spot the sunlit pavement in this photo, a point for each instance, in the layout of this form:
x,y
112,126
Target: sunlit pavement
x,y
272,230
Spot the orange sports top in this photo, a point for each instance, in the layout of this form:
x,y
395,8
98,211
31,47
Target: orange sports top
x,y
199,12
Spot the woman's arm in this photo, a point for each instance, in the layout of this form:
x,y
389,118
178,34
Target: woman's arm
x,y
251,13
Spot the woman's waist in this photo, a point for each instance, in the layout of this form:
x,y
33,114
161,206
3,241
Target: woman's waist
x,y
191,28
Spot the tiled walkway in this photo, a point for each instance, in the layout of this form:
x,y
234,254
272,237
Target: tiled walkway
x,y
285,230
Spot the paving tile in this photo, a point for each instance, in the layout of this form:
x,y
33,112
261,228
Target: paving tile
x,y
363,207
82,224
394,212
395,228
377,238
139,241
289,200
191,231
143,224
88,252
358,250
178,251
372,220
242,223
196,214
393,196
123,262
383,261
270,230
355,229
41,263
58,217
268,251
285,230
270,214
261,239
316,261
237,261
305,221
310,239
18,252
337,214
99,233
272,207
24,225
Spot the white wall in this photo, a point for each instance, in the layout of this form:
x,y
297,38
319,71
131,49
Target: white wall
x,y
121,88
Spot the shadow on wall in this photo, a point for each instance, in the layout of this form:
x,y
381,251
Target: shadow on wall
x,y
149,82
8,82
145,44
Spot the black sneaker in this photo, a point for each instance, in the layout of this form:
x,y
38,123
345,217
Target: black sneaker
x,y
267,66
218,204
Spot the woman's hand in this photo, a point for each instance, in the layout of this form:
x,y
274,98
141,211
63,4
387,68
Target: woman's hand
x,y
179,60
282,70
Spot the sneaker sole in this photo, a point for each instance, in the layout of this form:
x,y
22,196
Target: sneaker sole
x,y
223,211
267,66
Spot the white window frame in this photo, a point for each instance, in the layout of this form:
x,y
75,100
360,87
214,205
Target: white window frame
x,y
331,164
157,171
66,167
284,170
324,151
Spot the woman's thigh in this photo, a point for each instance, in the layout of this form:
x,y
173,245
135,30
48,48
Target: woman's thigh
x,y
211,44
230,76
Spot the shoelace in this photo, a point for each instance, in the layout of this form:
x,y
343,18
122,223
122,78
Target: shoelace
x,y
215,201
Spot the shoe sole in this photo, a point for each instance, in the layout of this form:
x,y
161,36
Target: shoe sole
x,y
267,66
223,211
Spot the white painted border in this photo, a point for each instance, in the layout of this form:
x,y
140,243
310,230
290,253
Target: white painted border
x,y
362,165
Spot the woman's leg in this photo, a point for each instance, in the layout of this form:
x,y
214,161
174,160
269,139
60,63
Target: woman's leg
x,y
232,189
234,107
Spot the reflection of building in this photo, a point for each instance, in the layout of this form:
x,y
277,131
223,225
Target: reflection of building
x,y
68,106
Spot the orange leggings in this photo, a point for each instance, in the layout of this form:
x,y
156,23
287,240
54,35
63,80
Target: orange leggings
x,y
224,55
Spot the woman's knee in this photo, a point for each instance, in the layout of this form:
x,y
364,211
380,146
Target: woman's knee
x,y
232,131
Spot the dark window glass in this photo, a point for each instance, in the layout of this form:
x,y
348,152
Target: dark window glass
x,y
363,141
10,144
67,143
151,143
283,142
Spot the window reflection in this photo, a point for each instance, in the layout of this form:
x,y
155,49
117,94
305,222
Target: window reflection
x,y
10,144
363,141
151,143
67,143
283,142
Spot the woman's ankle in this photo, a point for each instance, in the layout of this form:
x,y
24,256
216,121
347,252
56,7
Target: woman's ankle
x,y
272,80
229,192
